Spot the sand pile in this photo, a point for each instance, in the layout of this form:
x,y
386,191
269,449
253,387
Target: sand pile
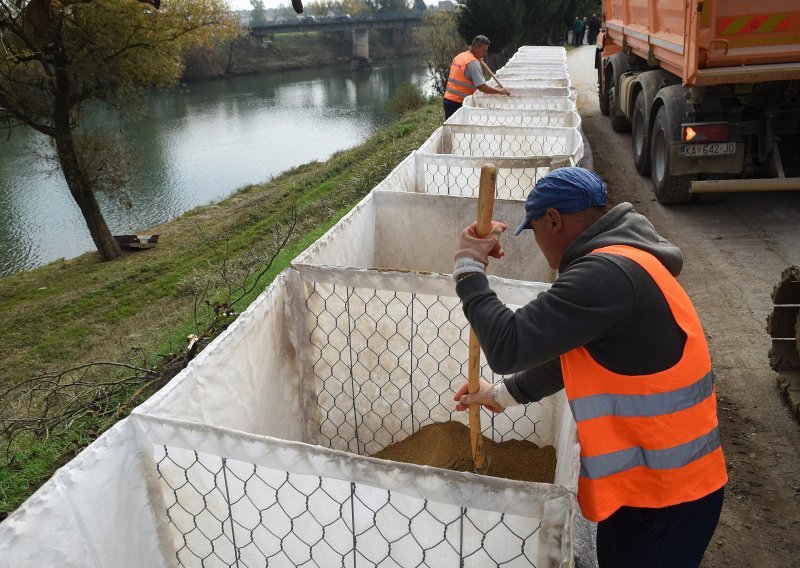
x,y
447,445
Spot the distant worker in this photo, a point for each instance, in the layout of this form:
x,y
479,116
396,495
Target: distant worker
x,y
577,31
619,334
466,76
594,29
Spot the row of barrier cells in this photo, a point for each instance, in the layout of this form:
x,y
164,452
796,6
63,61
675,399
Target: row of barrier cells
x,y
259,452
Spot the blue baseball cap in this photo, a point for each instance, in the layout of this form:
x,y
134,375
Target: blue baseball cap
x,y
567,190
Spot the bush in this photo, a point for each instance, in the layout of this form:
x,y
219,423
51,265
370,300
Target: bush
x,y
408,97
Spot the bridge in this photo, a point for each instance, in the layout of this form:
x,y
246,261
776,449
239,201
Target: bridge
x,y
359,26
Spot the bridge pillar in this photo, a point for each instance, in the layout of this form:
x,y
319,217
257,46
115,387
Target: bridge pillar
x,y
360,48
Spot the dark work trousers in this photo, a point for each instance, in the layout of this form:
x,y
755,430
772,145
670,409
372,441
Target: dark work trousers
x,y
450,107
671,537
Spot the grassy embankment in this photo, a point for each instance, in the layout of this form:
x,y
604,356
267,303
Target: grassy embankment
x,y
141,306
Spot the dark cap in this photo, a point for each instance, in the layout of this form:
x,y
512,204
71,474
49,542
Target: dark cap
x,y
567,190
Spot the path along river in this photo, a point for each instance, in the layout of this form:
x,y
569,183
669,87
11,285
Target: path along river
x,y
195,145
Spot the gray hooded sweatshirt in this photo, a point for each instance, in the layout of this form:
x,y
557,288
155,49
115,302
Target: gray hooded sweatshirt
x,y
603,302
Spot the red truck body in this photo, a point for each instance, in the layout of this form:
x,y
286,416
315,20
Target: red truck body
x,y
726,70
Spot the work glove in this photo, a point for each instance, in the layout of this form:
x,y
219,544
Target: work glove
x,y
481,248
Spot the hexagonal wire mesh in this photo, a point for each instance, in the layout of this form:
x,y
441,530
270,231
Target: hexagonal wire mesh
x,y
506,117
385,364
443,174
533,102
249,516
470,140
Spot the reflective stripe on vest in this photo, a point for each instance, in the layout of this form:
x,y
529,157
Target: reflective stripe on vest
x,y
458,85
647,440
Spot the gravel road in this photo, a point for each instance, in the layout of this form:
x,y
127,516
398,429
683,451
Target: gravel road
x,y
735,249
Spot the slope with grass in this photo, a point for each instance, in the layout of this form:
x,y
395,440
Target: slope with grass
x,y
142,306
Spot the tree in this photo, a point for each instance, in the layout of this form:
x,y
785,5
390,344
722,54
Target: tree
x,y
496,19
440,42
390,6
59,54
259,14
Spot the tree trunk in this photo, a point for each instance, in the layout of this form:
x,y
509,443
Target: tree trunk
x,y
87,202
79,186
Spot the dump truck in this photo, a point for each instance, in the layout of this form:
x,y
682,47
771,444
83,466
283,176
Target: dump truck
x,y
710,90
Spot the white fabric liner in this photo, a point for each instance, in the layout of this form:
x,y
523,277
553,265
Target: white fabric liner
x,y
442,174
445,174
389,231
535,102
528,72
532,93
258,451
514,117
505,141
533,83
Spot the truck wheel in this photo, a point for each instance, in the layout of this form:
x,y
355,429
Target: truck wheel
x,y
670,189
640,137
602,94
618,121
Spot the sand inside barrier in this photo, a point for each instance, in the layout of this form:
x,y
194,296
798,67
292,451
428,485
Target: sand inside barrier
x,y
447,445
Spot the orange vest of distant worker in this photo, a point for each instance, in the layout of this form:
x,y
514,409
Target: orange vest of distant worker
x,y
458,85
646,440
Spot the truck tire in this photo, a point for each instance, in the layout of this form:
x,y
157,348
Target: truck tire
x,y
670,189
640,137
602,94
619,123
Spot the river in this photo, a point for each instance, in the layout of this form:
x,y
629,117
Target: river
x,y
195,145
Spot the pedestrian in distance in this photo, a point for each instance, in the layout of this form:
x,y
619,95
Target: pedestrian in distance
x,y
583,29
594,29
619,334
466,76
577,31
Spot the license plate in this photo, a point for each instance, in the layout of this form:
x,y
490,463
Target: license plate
x,y
715,149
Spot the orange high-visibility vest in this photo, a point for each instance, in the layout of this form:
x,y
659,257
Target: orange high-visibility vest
x,y
646,440
458,85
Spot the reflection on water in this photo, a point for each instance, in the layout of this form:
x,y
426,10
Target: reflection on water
x,y
196,145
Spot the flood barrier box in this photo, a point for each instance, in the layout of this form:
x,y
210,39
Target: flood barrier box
x,y
445,174
352,350
515,117
490,142
532,93
523,72
509,102
513,83
290,482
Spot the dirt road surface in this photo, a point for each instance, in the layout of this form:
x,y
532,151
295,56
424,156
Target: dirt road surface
x,y
734,251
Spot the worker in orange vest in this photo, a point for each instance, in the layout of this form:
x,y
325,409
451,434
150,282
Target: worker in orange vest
x,y
621,336
466,76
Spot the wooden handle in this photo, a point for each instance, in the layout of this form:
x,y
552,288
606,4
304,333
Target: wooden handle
x,y
485,209
496,80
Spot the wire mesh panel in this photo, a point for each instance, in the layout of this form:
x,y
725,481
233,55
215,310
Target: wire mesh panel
x,y
533,83
443,174
533,92
387,363
473,140
512,102
245,515
514,117
532,72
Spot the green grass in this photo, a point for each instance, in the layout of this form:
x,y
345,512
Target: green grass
x,y
140,306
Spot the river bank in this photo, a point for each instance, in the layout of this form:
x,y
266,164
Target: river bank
x,y
142,306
